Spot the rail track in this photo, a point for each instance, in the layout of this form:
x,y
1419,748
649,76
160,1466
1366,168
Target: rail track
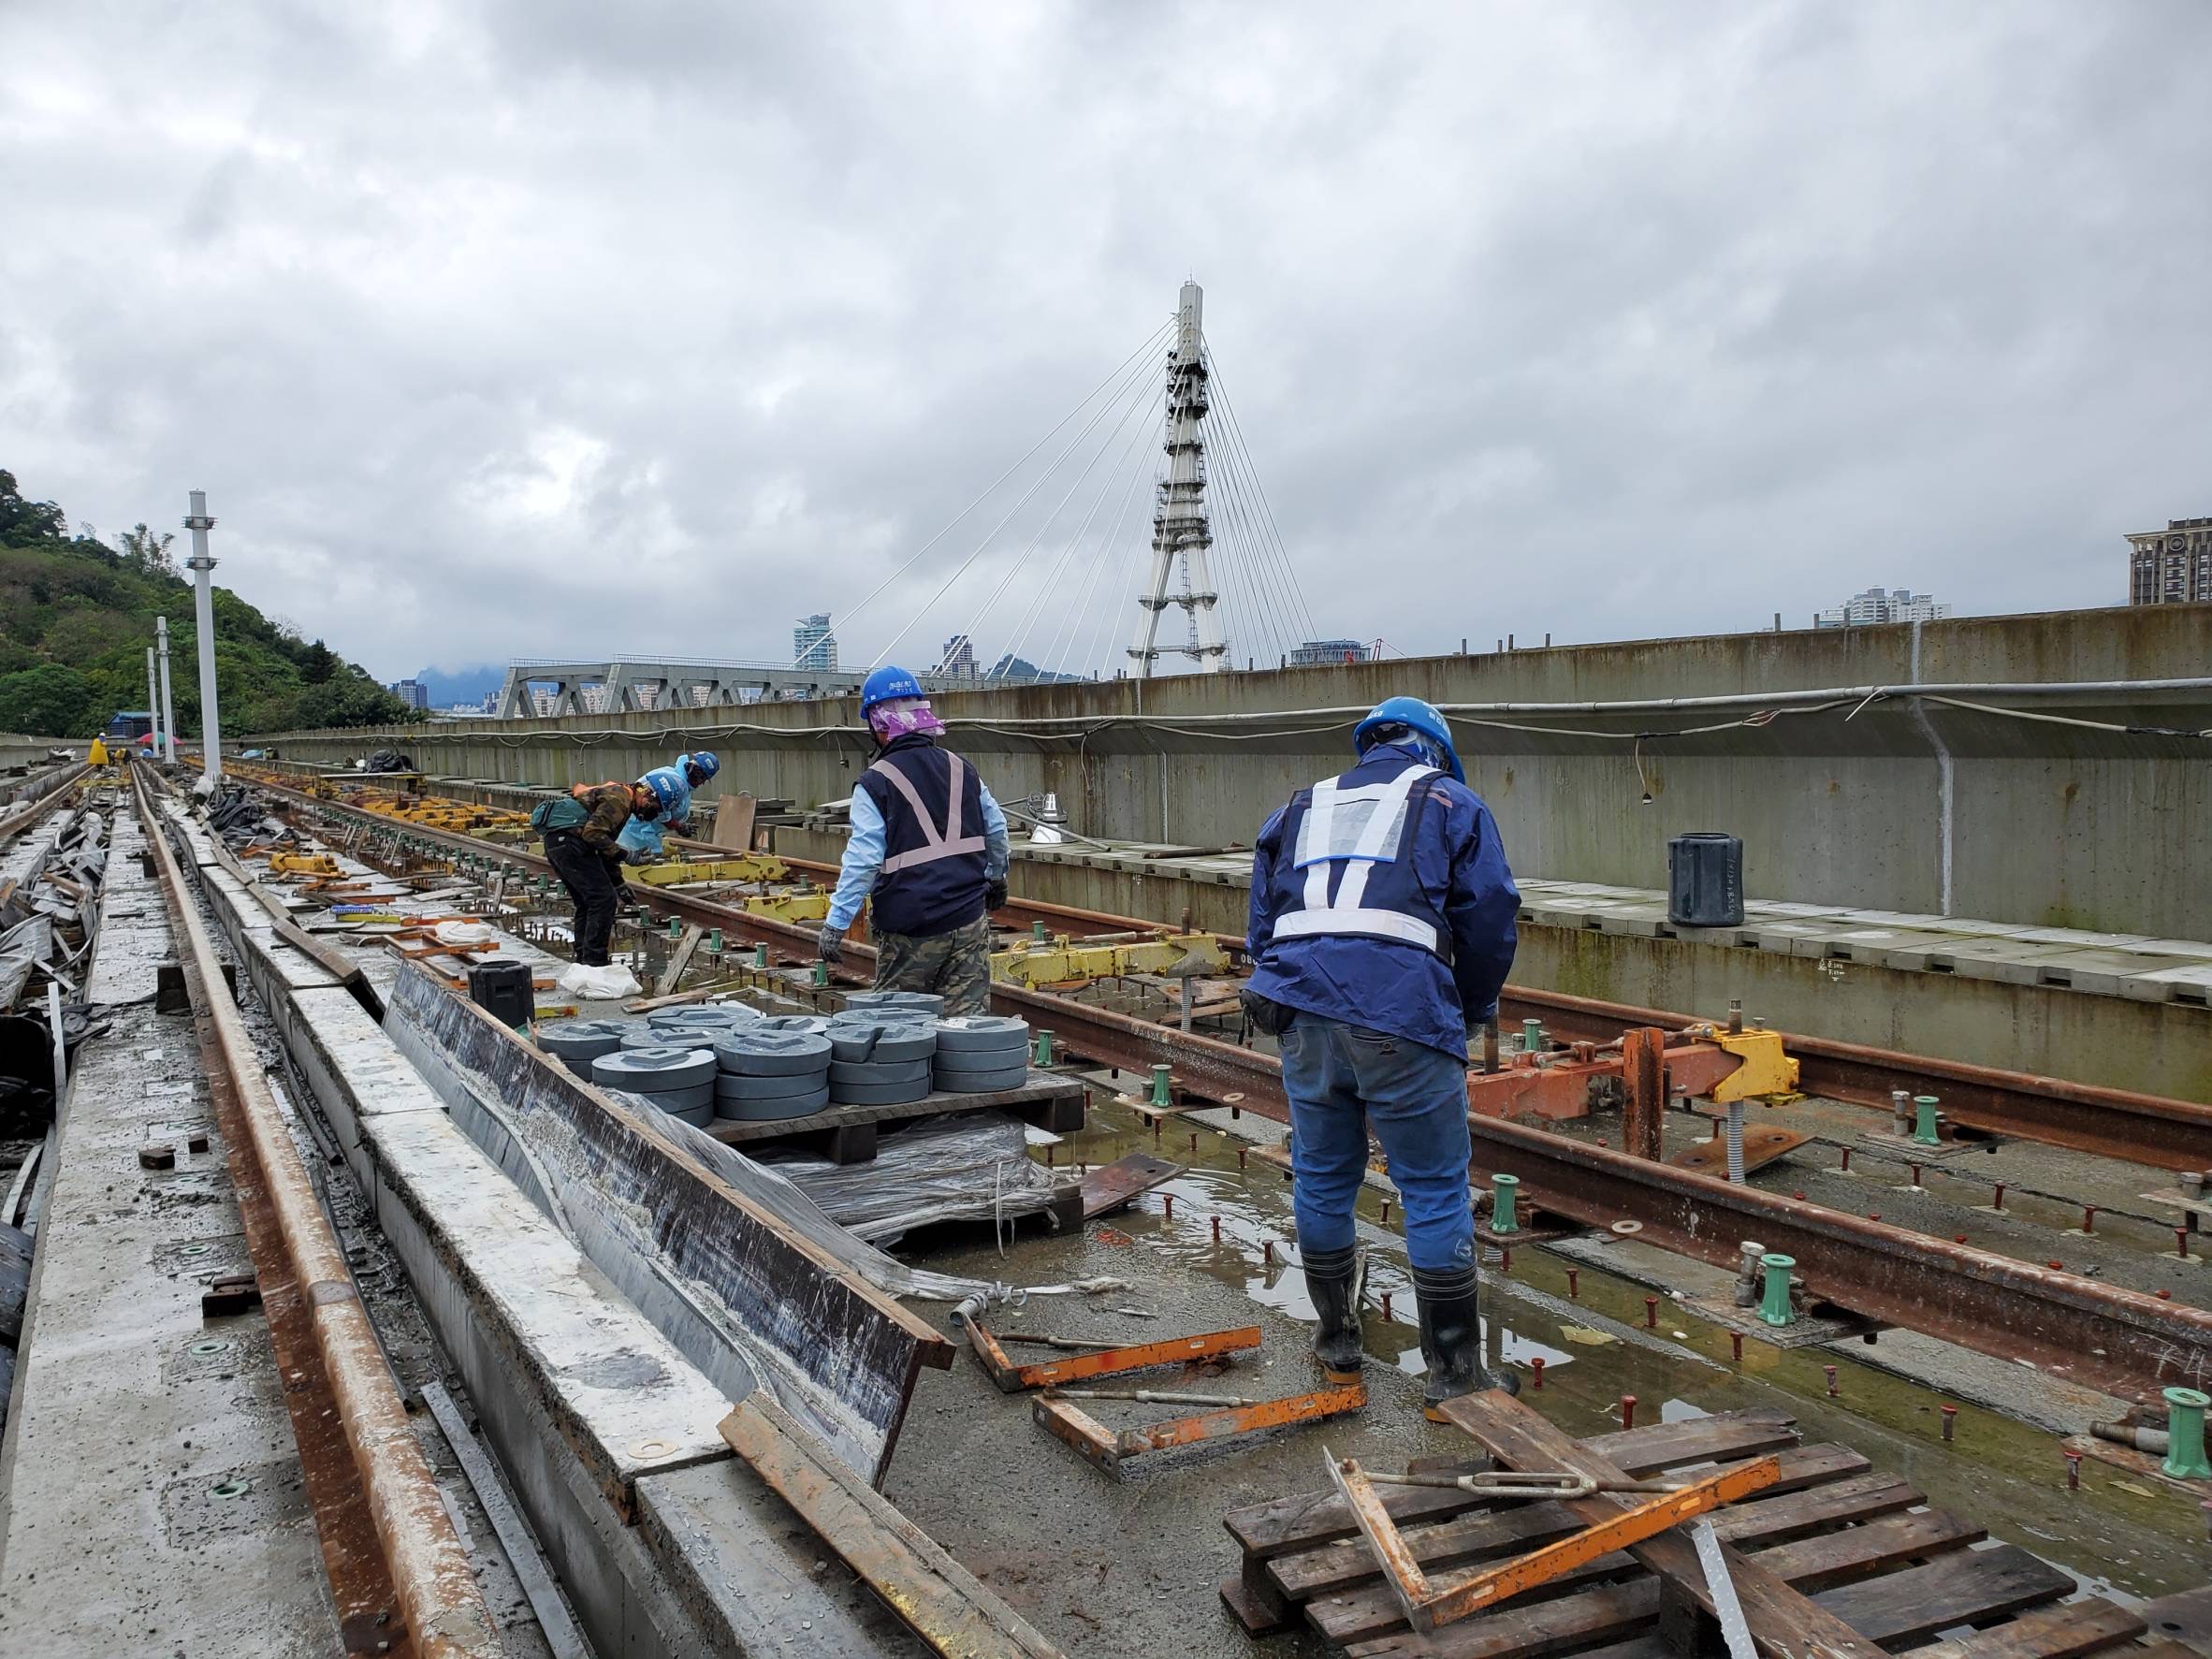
x,y
2118,1340
399,1575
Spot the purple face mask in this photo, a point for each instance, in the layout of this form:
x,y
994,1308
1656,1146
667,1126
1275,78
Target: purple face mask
x,y
903,715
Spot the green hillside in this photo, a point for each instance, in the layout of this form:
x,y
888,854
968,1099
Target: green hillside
x,y
76,615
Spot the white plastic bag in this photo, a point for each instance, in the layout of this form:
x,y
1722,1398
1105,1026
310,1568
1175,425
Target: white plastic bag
x,y
466,933
596,985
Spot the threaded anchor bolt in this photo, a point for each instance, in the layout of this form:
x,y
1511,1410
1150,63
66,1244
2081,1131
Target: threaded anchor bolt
x,y
1536,1370
1950,1422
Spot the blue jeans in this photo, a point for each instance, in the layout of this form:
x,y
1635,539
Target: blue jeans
x,y
1342,1077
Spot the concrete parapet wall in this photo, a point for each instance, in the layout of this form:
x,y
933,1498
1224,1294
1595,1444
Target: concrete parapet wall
x,y
1904,803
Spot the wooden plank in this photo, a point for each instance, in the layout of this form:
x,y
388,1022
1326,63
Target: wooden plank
x,y
1306,1519
1778,1618
685,948
1959,1587
938,1598
733,822
1820,1486
1369,1611
1045,1096
1969,1588
2055,1633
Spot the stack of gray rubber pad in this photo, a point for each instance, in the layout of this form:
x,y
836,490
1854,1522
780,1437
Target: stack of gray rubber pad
x,y
703,1023
981,1053
680,1081
879,1059
575,1043
771,1072
914,1005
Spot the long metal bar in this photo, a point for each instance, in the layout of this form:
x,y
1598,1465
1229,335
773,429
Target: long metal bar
x,y
24,817
2114,1123
439,1599
2097,1334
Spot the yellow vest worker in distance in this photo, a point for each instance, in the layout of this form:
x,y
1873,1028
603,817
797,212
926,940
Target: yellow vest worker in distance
x,y
97,754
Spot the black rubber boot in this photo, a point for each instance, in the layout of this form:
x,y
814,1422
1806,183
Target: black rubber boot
x,y
1451,1339
1332,1284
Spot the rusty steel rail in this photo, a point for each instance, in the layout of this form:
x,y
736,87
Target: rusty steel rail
x,y
2113,1123
2150,1130
2120,1340
439,1599
13,823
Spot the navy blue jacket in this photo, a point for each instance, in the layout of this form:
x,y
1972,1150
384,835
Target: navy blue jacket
x,y
1454,859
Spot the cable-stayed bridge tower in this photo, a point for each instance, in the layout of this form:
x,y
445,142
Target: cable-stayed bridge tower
x,y
1181,537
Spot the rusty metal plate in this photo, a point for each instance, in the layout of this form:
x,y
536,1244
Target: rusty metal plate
x,y
1762,1144
1109,1187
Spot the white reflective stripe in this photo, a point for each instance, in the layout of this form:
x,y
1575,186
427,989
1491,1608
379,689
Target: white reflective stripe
x,y
1375,815
931,853
937,844
1382,924
1317,884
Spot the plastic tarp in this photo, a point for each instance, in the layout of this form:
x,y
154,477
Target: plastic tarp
x,y
942,1168
599,984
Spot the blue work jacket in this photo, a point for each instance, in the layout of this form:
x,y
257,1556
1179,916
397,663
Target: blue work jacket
x,y
643,834
1450,866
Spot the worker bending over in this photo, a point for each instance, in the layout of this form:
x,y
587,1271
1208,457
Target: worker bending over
x,y
1382,926
929,850
583,836
671,786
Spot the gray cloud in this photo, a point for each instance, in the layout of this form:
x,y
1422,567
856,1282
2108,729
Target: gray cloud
x,y
521,329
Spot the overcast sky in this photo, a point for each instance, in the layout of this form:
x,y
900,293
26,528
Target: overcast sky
x,y
540,327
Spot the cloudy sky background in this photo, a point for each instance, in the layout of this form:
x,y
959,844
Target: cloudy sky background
x,y
540,327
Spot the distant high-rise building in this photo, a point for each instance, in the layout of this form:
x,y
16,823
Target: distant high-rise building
x,y
1864,610
412,693
2173,565
814,644
1323,653
958,660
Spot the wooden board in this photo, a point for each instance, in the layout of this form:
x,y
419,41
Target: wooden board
x,y
733,822
2055,1633
1306,1519
937,1597
848,1132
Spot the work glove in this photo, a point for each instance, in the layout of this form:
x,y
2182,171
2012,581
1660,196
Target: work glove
x,y
995,894
830,943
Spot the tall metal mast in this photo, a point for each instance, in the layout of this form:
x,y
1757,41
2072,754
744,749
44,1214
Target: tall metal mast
x,y
1181,536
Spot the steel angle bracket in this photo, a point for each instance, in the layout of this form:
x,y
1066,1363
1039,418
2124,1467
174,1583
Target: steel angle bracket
x,y
1430,1603
1114,1450
1013,1376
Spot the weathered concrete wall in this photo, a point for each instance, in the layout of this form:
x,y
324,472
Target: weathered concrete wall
x,y
1903,803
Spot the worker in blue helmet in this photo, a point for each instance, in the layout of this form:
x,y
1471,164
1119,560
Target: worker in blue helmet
x,y
1382,927
671,786
927,853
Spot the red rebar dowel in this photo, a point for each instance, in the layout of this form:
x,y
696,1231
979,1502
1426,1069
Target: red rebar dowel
x,y
1536,1369
1950,1421
1574,1285
1627,1411
1650,1312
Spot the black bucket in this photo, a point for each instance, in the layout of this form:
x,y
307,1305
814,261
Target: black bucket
x,y
1705,880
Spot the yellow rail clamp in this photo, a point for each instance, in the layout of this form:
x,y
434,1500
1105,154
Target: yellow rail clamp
x,y
1766,1069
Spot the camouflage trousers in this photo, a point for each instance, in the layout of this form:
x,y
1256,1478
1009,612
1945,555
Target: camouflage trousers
x,y
957,966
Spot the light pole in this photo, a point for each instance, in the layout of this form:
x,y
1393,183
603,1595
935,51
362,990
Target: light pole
x,y
203,610
153,705
169,717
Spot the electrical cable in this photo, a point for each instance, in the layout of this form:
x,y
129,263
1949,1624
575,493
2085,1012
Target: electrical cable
x,y
1074,543
1114,400
1009,471
1022,559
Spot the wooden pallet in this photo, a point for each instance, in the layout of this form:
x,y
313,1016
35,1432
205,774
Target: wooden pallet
x,y
847,1134
1835,1550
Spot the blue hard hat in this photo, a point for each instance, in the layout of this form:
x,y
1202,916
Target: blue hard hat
x,y
663,789
886,684
705,760
1412,713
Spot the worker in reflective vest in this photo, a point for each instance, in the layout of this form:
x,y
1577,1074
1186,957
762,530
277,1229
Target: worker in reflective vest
x,y
928,852
1382,927
672,785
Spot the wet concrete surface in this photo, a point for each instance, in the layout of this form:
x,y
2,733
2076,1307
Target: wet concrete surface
x,y
1131,1567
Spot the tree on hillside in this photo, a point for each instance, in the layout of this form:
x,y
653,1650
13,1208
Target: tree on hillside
x,y
317,664
23,524
48,700
147,552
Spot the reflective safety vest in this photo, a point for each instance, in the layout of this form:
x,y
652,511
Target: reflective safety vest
x,y
931,802
1346,875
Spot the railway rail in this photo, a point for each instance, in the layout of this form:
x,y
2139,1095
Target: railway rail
x,y
2121,1341
400,1577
